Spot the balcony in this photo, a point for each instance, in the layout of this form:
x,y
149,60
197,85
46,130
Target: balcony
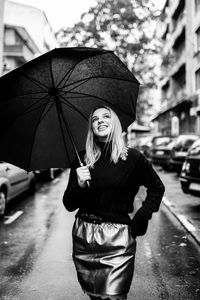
x,y
179,27
178,12
179,84
179,61
178,21
180,94
20,51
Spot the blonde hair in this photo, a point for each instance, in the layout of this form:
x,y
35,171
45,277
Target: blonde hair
x,y
115,139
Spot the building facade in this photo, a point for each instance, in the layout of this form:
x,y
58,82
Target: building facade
x,y
180,82
27,34
18,48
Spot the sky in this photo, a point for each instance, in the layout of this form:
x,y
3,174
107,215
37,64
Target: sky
x,y
61,13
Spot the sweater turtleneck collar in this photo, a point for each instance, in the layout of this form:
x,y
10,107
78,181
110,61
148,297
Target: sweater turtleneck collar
x,y
106,148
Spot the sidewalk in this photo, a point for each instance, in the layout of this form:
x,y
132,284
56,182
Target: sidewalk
x,y
184,207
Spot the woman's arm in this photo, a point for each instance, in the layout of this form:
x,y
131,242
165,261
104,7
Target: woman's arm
x,y
154,187
74,194
154,193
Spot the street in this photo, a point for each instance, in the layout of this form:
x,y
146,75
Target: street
x,y
36,248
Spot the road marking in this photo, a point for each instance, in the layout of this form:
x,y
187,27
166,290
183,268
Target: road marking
x,y
186,223
166,201
14,217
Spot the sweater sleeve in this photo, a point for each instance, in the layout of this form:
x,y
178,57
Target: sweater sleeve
x,y
74,194
154,193
154,187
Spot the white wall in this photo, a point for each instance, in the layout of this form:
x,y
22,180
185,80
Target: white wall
x,y
35,22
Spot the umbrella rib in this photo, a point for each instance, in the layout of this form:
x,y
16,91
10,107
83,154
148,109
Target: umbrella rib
x,y
36,128
102,99
72,69
36,82
62,131
24,112
67,103
79,82
82,81
49,108
75,97
67,75
29,107
11,99
36,108
51,72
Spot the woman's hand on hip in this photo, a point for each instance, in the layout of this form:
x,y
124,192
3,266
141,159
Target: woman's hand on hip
x,y
83,175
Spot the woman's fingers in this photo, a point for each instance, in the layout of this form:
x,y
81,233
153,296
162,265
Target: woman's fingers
x,y
83,171
83,175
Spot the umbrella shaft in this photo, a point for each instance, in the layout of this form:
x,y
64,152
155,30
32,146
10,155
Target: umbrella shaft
x,y
61,116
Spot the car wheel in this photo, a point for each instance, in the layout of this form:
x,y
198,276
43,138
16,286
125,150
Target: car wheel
x,y
2,203
185,187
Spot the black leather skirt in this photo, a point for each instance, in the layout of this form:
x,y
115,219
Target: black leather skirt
x,y
104,255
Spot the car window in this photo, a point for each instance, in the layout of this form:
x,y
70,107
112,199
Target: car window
x,y
184,142
195,148
162,141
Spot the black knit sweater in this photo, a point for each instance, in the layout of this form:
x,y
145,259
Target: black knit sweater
x,y
113,188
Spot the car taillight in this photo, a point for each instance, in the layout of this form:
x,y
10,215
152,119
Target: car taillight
x,y
186,166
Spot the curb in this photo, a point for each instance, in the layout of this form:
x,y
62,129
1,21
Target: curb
x,y
188,226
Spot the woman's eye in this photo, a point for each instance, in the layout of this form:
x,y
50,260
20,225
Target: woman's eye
x,y
107,116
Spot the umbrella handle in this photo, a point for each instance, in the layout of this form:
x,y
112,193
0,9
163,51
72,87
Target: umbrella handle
x,y
87,181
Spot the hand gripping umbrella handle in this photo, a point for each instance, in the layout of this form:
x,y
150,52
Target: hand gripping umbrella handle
x,y
61,116
87,181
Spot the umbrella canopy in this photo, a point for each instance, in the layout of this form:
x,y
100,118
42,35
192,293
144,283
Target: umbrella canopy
x,y
45,104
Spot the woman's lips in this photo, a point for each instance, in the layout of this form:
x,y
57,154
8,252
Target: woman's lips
x,y
102,127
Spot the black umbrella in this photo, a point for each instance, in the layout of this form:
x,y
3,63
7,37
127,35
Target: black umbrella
x,y
45,104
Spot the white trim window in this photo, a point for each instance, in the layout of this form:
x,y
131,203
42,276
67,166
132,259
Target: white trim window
x,y
197,40
197,79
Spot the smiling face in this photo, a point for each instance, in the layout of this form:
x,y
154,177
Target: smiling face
x,y
101,123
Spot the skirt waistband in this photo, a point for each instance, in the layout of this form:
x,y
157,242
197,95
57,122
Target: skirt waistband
x,y
94,218
90,218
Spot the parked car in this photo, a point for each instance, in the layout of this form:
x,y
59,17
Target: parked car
x,y
13,181
47,174
160,152
180,149
143,144
190,174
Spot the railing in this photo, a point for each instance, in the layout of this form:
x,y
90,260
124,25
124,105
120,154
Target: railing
x,y
14,49
18,50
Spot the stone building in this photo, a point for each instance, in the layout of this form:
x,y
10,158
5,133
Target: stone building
x,y
180,82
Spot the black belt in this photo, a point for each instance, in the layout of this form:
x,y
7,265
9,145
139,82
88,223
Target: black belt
x,y
90,218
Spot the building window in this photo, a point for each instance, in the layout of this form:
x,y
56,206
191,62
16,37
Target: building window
x,y
197,40
197,5
197,76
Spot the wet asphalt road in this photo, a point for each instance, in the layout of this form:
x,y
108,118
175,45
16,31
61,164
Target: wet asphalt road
x,y
36,262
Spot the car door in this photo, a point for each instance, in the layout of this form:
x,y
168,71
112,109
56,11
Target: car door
x,y
17,178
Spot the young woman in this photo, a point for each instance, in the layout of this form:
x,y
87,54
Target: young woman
x,y
104,236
